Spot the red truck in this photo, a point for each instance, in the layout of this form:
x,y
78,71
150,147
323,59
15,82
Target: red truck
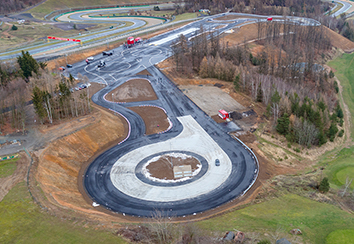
x,y
130,41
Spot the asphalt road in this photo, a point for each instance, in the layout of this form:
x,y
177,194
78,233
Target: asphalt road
x,y
124,65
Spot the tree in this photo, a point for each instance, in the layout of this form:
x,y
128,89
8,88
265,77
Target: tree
x,y
14,27
38,99
27,64
260,93
324,185
203,71
283,124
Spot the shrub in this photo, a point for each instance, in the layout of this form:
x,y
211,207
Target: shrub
x,y
289,145
297,149
264,242
324,185
341,133
14,27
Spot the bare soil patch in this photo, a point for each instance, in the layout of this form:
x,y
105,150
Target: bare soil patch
x,y
162,168
135,90
210,98
154,118
339,41
60,166
144,72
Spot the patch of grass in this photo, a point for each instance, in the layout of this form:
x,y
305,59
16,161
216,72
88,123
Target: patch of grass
x,y
340,167
344,66
185,16
340,237
290,211
22,221
7,167
51,5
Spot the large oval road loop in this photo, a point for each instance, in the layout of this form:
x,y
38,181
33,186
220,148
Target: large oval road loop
x,y
111,179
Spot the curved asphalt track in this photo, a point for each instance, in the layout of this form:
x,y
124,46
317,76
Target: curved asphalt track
x,y
124,65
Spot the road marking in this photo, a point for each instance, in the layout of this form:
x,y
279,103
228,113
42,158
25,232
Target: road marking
x,y
95,75
174,36
113,78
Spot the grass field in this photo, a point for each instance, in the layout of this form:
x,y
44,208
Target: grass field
x,y
51,5
7,167
36,33
344,70
340,237
316,220
22,221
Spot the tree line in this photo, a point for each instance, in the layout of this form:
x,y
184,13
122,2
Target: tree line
x,y
285,76
52,95
9,6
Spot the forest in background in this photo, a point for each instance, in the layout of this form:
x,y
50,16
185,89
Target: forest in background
x,y
10,6
299,93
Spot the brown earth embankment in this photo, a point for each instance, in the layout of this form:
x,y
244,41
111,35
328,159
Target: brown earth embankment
x,y
62,163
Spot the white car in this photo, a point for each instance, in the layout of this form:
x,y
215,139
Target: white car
x,y
90,59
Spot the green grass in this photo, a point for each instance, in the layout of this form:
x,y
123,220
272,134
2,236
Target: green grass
x,y
185,16
340,167
344,67
7,167
316,220
51,5
340,237
22,221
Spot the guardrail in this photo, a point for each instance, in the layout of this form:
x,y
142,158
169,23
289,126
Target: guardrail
x,y
256,160
145,30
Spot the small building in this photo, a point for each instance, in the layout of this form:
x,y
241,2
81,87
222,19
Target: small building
x,y
223,114
182,171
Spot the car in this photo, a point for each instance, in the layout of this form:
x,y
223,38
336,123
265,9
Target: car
x,y
101,64
217,162
90,59
69,66
108,53
61,68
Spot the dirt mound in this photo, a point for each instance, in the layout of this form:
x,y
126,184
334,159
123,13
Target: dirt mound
x,y
339,41
60,163
154,118
135,90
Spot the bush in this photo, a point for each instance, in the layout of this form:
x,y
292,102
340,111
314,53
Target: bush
x,y
341,133
297,149
324,185
14,27
289,145
331,74
264,242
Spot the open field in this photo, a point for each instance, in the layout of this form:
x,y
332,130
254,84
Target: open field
x,y
38,32
51,5
7,167
343,67
22,221
278,216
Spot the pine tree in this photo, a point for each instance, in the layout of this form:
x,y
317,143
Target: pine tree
x,y
324,185
260,93
283,124
38,100
237,82
27,64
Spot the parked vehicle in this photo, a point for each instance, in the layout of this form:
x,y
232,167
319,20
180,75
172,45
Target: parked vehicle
x,y
101,64
69,66
108,53
61,68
